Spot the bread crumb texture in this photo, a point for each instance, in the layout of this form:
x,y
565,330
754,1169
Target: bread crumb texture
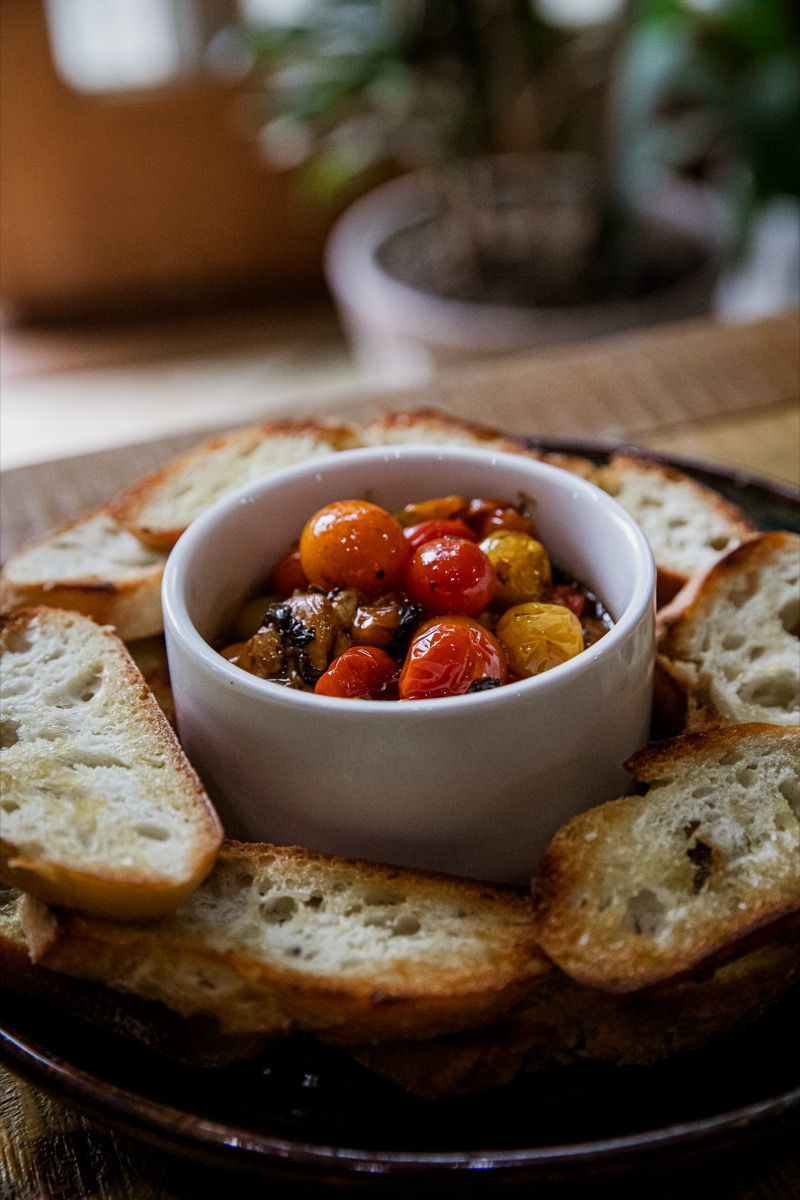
x,y
93,548
281,938
323,915
160,507
90,779
645,888
733,644
687,525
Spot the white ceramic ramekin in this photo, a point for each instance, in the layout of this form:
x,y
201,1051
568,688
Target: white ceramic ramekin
x,y
475,785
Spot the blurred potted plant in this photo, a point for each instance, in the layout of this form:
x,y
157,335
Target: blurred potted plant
x,y
535,161
712,90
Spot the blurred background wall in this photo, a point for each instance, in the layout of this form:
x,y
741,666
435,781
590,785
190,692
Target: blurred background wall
x,y
151,161
172,171
128,185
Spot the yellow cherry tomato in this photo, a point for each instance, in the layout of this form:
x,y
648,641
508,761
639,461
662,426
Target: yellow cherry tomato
x,y
521,565
538,636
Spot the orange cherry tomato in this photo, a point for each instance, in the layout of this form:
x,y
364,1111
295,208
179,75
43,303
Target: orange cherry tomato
x,y
288,574
360,673
440,508
354,544
428,531
451,656
487,516
451,575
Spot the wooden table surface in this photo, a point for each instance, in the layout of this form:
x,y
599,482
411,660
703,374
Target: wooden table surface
x,y
728,394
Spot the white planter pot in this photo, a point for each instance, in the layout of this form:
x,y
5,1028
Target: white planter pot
x,y
401,334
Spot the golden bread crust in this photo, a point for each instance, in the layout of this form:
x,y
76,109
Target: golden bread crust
x,y
644,890
87,743
280,938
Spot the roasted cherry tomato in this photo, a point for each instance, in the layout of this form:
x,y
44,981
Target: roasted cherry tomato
x,y
428,531
451,575
564,593
538,636
450,656
288,574
521,565
354,544
441,508
360,673
487,516
387,622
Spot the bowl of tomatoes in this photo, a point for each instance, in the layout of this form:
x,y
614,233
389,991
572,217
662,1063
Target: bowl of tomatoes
x,y
425,655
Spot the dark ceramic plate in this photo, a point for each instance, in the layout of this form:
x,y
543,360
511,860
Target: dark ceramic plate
x,y
306,1114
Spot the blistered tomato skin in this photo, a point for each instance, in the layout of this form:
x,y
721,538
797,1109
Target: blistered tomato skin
x,y
354,544
451,575
438,509
360,673
429,531
447,596
387,622
521,564
539,636
488,516
451,656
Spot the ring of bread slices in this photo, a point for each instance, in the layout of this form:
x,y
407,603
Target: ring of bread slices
x,y
655,922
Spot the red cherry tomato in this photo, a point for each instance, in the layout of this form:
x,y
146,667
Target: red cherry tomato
x,y
450,657
354,544
360,673
451,575
288,574
428,531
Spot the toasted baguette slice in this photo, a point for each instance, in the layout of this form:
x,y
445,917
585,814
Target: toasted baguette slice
x,y
159,508
729,640
434,426
93,566
101,810
642,1028
644,889
281,938
198,1042
564,1022
688,525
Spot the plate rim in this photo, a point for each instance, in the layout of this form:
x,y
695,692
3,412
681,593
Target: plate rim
x,y
222,1143
143,1117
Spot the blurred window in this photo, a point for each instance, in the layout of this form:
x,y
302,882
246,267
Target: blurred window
x,y
119,45
273,11
578,12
